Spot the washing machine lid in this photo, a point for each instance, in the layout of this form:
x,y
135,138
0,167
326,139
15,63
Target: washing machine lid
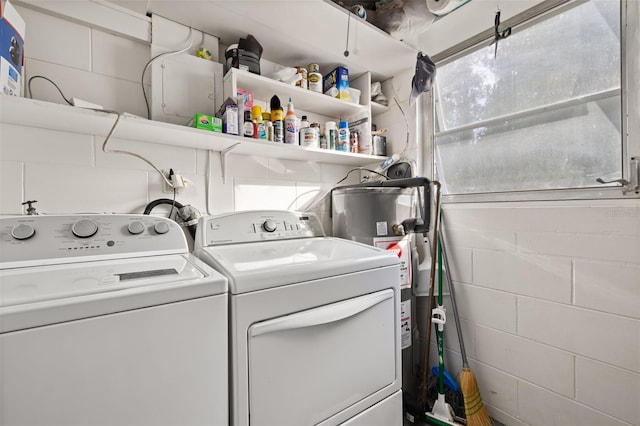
x,y
35,296
261,265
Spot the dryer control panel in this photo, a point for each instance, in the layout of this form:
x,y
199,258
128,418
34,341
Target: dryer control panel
x,y
255,226
44,239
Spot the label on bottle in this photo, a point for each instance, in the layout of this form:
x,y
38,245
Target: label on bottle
x,y
343,140
247,128
332,139
315,82
310,137
278,131
291,131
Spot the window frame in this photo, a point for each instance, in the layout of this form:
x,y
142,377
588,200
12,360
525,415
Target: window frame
x,y
630,101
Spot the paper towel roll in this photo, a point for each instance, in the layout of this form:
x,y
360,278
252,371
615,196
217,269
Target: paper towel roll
x,y
442,7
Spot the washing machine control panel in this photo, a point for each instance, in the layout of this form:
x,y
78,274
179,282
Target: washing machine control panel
x,y
254,226
48,239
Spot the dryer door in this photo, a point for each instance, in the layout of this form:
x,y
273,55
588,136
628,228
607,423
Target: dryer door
x,y
308,366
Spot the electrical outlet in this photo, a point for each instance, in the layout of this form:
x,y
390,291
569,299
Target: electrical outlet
x,y
175,178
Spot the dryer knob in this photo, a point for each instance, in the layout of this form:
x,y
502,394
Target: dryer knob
x,y
136,228
161,228
23,232
269,225
84,228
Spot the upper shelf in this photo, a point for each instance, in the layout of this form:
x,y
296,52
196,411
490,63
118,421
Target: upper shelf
x,y
306,100
20,111
292,33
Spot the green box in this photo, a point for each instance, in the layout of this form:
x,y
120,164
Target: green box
x,y
207,122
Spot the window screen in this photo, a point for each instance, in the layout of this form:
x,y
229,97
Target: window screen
x,y
544,113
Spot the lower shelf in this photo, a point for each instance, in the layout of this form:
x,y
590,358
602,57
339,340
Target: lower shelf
x,y
21,111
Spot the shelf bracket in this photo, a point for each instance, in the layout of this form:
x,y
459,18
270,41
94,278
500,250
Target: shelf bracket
x,y
223,160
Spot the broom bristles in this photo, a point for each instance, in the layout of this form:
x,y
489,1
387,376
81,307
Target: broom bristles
x,y
475,410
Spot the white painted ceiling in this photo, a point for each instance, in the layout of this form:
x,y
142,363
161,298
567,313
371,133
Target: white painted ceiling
x,y
294,32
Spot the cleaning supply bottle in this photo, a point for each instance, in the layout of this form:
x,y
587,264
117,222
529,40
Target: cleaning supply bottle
x,y
261,131
247,126
304,123
291,125
269,130
277,119
332,134
343,136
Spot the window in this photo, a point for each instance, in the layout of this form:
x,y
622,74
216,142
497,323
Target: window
x,y
544,113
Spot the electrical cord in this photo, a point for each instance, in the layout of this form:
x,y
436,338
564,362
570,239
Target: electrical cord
x,y
113,128
117,151
406,120
50,81
361,168
173,204
161,55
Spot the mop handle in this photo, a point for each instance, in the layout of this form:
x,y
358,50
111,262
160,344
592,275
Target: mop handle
x,y
454,306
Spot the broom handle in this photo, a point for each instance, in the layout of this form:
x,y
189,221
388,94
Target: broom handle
x,y
454,305
432,298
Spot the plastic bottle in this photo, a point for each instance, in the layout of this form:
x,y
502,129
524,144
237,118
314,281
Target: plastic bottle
x,y
247,126
291,125
332,134
343,136
304,123
269,129
277,118
315,78
261,131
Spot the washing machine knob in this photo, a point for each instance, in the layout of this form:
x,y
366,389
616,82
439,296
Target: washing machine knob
x,y
136,228
84,228
161,228
23,232
269,225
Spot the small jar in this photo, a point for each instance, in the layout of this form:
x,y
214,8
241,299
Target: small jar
x,y
314,78
310,136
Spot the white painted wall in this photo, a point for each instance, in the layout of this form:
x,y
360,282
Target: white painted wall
x,y
69,173
549,292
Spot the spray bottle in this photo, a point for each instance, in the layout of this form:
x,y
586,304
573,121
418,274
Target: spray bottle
x,y
291,125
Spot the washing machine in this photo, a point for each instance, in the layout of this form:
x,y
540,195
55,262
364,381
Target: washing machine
x,y
314,321
109,320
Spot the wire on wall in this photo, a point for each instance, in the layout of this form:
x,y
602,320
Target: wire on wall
x,y
117,151
50,81
404,115
113,128
163,55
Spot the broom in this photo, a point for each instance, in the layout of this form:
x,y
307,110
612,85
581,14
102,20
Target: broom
x,y
475,411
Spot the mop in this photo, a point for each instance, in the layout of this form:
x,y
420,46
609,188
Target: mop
x,y
442,413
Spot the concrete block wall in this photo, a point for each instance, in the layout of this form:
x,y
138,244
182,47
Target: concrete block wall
x,y
549,295
549,292
69,173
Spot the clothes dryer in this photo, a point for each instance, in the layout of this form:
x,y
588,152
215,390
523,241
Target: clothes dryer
x,y
315,332
108,320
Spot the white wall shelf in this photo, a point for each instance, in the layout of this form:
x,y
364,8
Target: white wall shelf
x,y
377,108
47,115
264,88
300,33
